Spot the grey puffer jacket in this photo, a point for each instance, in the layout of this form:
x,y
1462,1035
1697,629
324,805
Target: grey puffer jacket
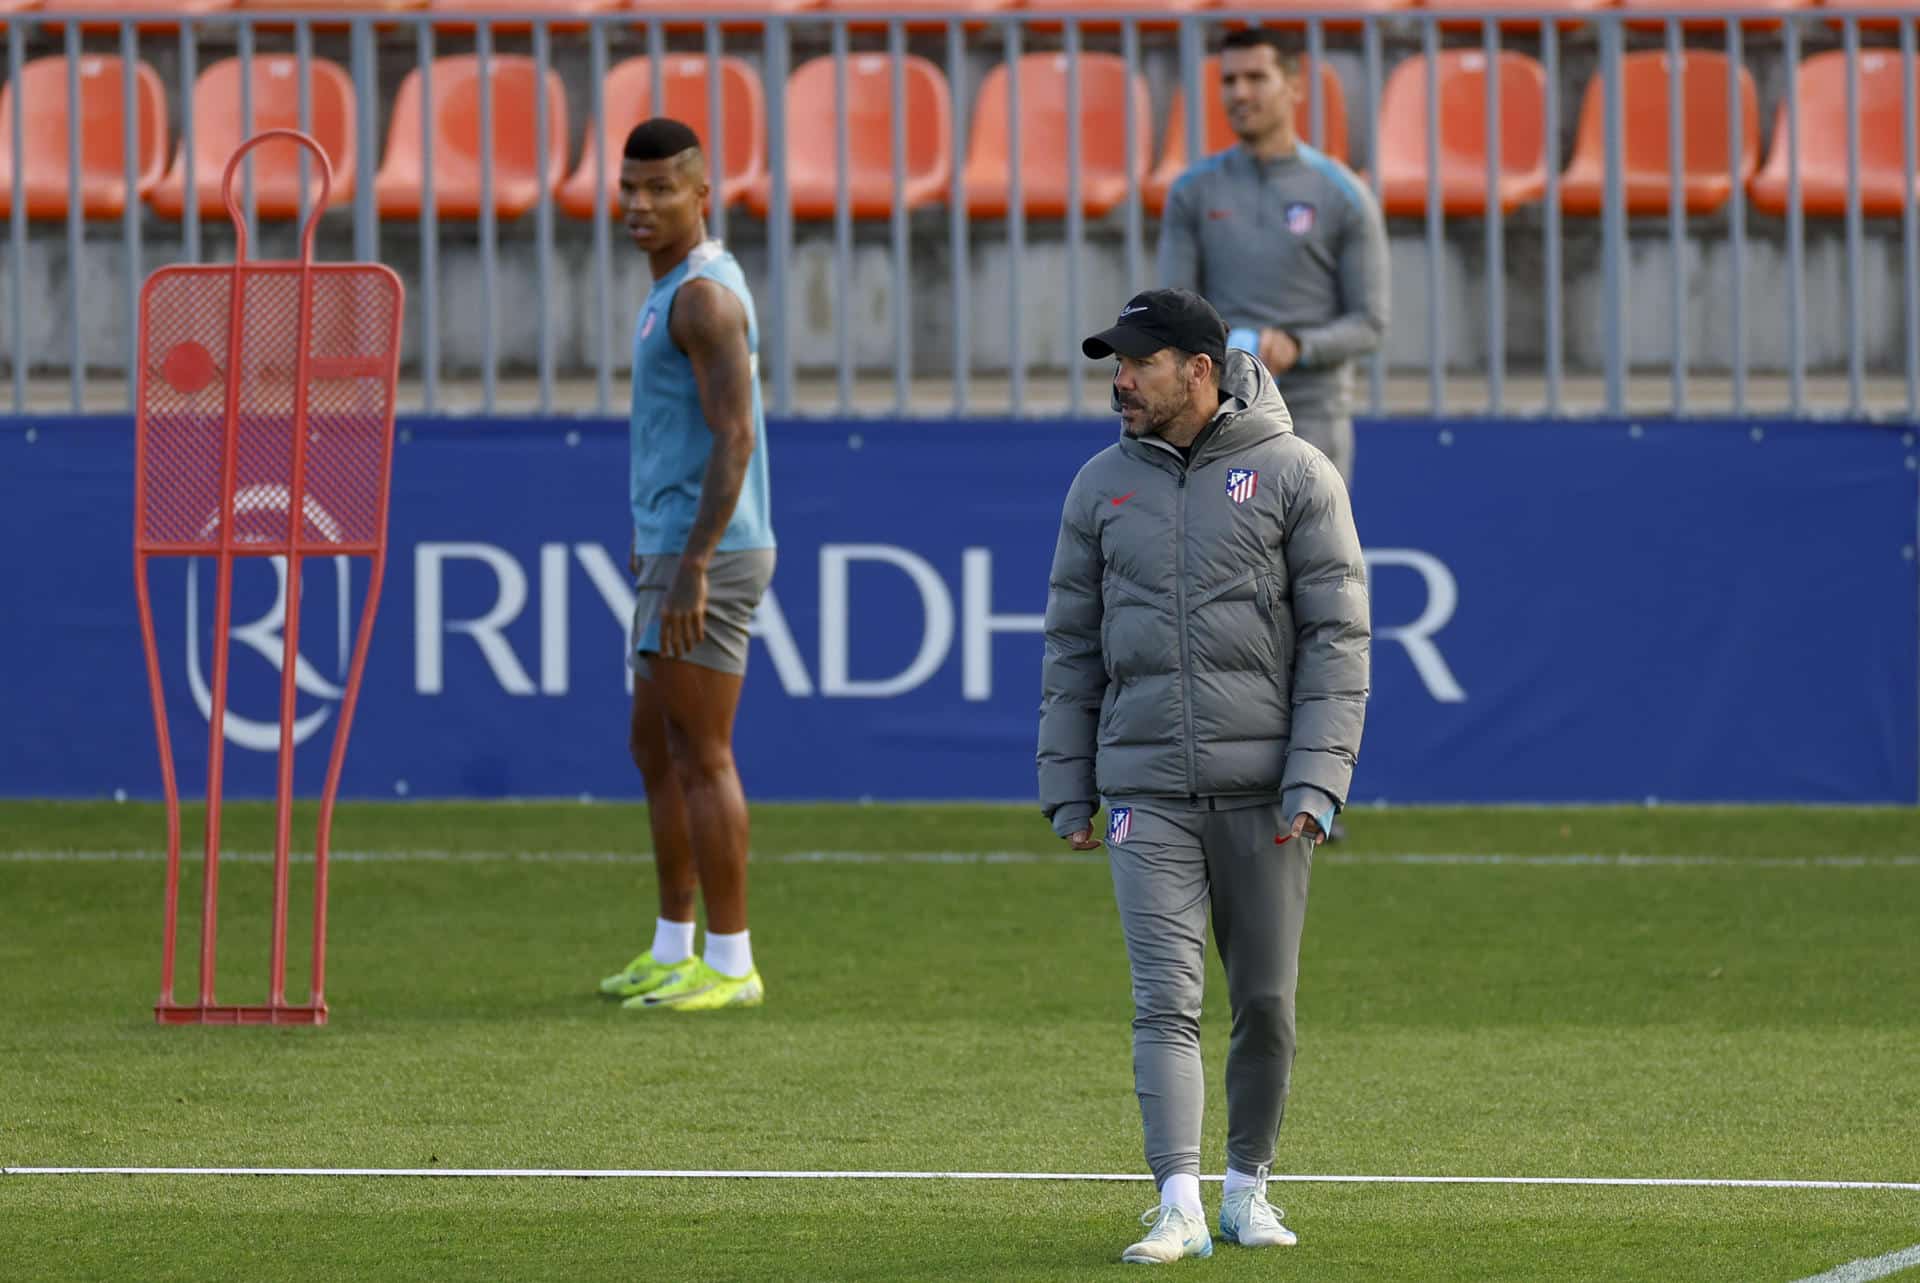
x,y
1207,626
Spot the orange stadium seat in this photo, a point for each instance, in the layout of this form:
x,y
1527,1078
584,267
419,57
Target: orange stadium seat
x,y
1046,116
102,128
1570,13
812,172
915,13
1823,138
628,97
218,131
308,6
548,8
1714,13
1891,11
1263,12
1463,134
1149,13
1219,134
641,8
1705,183
457,142
165,14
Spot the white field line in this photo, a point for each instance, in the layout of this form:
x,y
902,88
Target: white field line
x,y
1616,861
1877,1267
640,1173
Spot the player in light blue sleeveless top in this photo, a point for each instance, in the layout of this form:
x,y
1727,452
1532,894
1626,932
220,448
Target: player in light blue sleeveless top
x,y
703,554
671,440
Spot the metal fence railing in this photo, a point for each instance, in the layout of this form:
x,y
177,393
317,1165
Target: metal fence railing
x,y
1780,271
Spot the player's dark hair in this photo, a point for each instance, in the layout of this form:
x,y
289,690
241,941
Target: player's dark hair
x,y
1286,50
661,138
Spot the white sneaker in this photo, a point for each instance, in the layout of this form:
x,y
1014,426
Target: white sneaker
x,y
1247,1218
1173,1235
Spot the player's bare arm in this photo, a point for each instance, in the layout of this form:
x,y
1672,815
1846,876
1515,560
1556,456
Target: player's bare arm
x,y
710,326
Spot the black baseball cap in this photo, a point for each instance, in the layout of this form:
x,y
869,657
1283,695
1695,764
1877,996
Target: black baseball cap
x,y
1162,318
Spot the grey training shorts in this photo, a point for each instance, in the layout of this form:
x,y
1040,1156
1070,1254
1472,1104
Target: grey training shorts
x,y
735,583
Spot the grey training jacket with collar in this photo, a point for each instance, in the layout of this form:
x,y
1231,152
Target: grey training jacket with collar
x,y
1207,631
1295,242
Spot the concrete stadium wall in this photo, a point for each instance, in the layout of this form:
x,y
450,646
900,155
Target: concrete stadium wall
x,y
932,293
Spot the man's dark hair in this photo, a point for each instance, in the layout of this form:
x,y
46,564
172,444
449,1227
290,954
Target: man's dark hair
x,y
661,138
1185,356
1285,48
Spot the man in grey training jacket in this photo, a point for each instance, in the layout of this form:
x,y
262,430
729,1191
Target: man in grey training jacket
x,y
1205,678
1285,242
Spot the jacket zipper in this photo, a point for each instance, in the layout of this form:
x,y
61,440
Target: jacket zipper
x,y
1186,671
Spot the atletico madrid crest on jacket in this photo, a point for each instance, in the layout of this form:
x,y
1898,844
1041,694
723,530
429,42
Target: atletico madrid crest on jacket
x,y
1241,483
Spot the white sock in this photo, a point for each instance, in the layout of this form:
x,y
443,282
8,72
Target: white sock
x,y
730,955
1182,1190
672,941
1237,1181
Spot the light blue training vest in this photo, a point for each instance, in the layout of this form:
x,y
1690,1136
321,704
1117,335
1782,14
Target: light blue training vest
x,y
670,437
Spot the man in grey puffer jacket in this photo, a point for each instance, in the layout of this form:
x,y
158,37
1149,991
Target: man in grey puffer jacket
x,y
1206,677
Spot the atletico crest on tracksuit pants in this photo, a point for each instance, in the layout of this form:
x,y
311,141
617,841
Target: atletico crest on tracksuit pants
x,y
1241,483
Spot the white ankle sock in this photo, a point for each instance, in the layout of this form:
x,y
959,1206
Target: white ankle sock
x,y
672,941
1182,1190
730,955
1237,1180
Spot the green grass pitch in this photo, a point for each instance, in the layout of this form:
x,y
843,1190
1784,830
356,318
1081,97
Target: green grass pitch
x,y
1752,1013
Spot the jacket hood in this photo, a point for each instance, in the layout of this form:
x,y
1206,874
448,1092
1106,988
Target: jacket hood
x,y
1254,410
1265,412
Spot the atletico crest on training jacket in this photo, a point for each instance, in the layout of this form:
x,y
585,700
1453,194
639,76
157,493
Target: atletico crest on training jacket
x,y
1241,483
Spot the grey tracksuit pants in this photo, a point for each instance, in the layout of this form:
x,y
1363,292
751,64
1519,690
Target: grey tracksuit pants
x,y
1171,870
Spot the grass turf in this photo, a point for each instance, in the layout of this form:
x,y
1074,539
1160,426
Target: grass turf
x,y
1751,1019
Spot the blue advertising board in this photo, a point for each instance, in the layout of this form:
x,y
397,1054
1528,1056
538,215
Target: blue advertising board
x,y
1563,611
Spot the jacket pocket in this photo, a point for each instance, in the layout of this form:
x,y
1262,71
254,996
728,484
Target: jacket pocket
x,y
1124,624
1279,621
1224,590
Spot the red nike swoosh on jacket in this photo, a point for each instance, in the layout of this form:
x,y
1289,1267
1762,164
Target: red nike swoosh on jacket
x,y
1120,499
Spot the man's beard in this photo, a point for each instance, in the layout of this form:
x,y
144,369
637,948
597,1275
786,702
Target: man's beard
x,y
1154,419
